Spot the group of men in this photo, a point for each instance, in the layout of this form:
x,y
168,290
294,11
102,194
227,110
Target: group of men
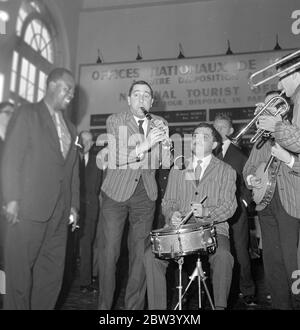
x,y
41,189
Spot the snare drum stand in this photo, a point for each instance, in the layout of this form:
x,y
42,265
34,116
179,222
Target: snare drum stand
x,y
198,271
180,296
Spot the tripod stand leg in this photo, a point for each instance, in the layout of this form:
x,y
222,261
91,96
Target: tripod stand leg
x,y
201,276
185,291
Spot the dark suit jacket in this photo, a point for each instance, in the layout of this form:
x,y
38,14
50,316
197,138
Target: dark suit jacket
x,y
34,172
237,159
90,185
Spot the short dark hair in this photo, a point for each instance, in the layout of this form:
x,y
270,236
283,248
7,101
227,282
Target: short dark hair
x,y
215,134
5,104
223,116
56,74
140,82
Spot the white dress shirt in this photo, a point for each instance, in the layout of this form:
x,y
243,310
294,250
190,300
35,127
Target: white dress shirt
x,y
225,147
145,123
204,163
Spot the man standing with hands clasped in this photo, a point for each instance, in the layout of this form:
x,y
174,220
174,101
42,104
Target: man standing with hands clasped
x,y
41,192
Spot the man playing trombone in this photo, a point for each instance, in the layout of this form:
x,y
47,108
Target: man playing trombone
x,y
280,215
205,175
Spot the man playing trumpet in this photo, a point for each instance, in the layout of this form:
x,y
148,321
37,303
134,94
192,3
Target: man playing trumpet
x,y
205,175
279,219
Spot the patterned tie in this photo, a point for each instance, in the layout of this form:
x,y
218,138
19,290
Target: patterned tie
x,y
141,129
198,171
63,133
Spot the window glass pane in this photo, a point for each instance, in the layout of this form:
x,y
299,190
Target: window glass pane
x,y
32,70
22,87
24,68
36,26
13,79
15,61
30,92
42,80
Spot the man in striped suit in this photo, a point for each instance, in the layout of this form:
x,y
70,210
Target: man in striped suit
x,y
280,219
187,187
129,189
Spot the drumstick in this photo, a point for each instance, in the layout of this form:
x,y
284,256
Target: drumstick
x,y
190,213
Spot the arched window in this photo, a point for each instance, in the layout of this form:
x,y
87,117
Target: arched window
x,y
34,55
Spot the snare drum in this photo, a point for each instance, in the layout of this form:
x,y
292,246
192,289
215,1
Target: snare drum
x,y
188,239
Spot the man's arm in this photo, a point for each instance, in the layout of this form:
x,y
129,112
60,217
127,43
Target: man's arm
x,y
288,136
169,203
227,201
15,149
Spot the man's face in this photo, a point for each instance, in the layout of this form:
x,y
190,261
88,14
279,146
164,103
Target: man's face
x,y
87,142
289,83
223,127
202,142
63,92
140,97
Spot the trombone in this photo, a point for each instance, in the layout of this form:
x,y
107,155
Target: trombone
x,y
282,110
293,56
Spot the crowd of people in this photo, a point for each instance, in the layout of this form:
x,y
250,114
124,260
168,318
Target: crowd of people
x,y
52,187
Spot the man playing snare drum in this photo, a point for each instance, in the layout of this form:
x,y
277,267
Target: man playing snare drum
x,y
204,176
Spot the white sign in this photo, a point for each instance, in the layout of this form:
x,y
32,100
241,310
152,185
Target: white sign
x,y
179,84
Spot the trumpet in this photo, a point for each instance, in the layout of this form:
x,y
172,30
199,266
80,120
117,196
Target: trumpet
x,y
167,143
282,110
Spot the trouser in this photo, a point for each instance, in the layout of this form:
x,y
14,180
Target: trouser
x,y
239,234
221,264
280,238
141,212
87,235
34,261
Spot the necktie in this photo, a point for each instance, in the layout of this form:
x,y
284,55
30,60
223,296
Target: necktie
x,y
198,171
141,129
63,133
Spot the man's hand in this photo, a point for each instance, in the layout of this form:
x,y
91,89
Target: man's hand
x,y
12,211
176,218
281,153
255,182
199,211
155,135
268,123
73,219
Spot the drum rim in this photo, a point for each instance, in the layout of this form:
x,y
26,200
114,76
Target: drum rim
x,y
184,229
183,254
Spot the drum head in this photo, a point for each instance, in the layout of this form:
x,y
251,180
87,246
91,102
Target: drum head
x,y
183,229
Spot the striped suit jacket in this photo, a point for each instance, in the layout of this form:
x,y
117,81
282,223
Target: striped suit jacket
x,y
288,136
288,179
217,183
120,182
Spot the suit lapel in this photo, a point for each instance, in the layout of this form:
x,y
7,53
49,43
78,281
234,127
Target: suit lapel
x,y
133,128
190,173
72,135
212,164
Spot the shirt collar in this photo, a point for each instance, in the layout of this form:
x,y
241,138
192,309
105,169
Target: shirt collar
x,y
204,161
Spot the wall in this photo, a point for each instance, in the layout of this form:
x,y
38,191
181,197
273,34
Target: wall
x,y
202,27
